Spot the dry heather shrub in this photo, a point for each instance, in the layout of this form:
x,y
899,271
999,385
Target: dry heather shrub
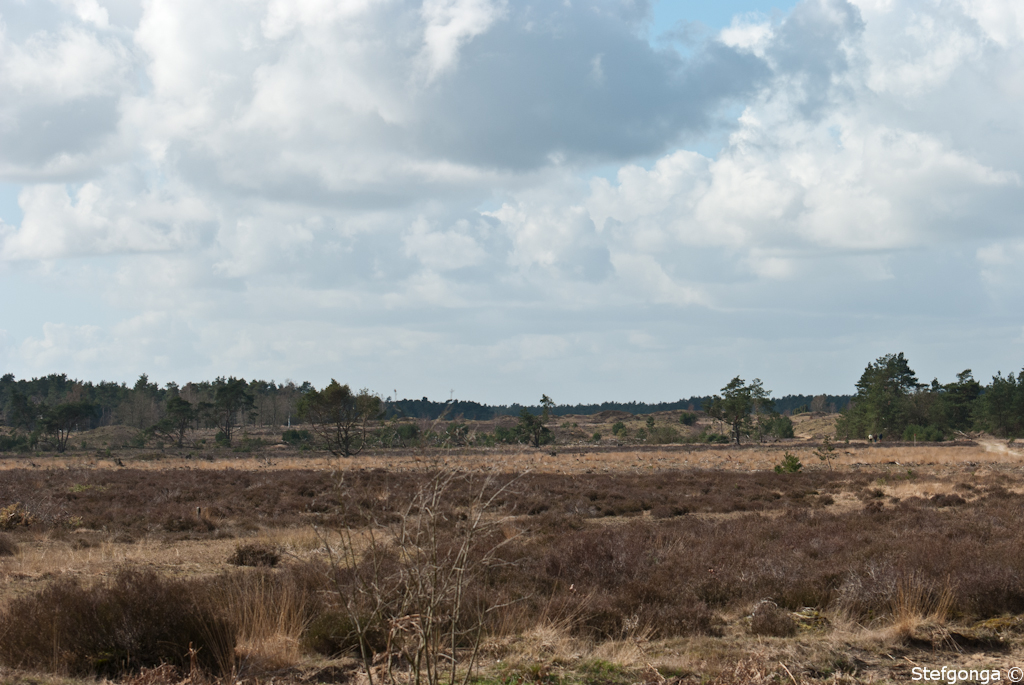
x,y
138,500
8,547
946,501
768,619
255,554
138,620
673,575
183,524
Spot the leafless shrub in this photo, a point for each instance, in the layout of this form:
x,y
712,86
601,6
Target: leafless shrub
x,y
409,583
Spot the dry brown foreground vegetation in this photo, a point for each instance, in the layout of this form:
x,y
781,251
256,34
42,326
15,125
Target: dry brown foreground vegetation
x,y
590,563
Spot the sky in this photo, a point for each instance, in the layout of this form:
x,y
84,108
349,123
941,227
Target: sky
x,y
494,199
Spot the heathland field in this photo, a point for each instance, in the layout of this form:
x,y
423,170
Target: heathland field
x,y
583,561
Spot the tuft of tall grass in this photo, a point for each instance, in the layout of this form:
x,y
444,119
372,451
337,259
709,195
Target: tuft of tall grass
x,y
918,603
270,612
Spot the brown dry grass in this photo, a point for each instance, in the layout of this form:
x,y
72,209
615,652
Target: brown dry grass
x,y
271,619
882,514
558,459
914,606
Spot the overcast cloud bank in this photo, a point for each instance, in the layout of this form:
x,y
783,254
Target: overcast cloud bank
x,y
505,198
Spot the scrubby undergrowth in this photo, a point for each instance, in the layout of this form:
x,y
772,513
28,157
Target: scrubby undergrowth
x,y
604,558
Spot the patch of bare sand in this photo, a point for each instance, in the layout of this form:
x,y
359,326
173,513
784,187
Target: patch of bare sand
x,y
1000,447
814,425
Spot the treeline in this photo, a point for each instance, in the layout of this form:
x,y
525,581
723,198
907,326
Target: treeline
x,y
141,405
144,404
47,410
891,404
473,411
692,404
800,404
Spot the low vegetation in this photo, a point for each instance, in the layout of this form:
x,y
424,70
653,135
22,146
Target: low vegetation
x,y
598,562
255,554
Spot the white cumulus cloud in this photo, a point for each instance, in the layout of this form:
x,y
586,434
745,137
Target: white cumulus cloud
x,y
523,190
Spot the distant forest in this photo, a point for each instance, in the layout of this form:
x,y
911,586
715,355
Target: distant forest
x,y
141,405
889,401
473,411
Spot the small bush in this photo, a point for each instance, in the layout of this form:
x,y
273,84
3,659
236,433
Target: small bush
x,y
255,554
188,524
618,427
687,418
247,444
596,437
455,433
8,547
789,464
947,501
713,438
408,432
781,427
295,437
922,434
14,515
768,619
14,443
505,435
333,633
